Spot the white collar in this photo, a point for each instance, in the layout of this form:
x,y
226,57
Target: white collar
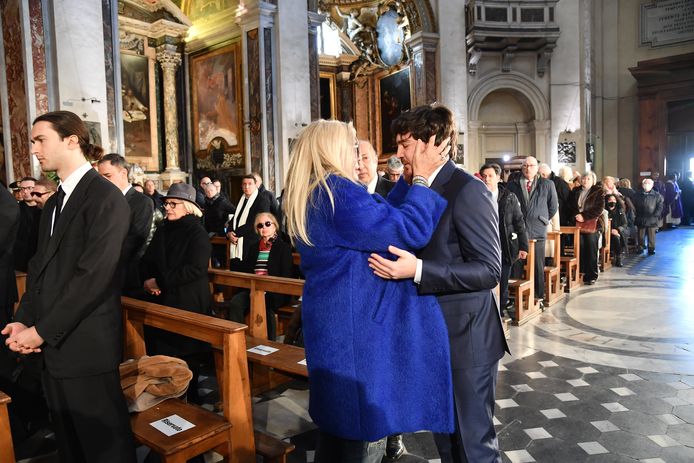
x,y
371,187
125,192
432,177
70,183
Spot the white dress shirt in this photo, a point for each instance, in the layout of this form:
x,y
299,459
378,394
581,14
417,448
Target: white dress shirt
x,y
69,184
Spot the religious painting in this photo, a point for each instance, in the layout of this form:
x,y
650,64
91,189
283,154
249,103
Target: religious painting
x,y
394,97
137,129
327,96
217,108
566,152
197,10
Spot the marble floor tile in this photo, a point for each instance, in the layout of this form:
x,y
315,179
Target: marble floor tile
x,y
592,448
553,413
519,456
538,433
664,440
604,426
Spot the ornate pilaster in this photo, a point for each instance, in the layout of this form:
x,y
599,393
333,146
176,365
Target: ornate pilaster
x,y
314,22
169,59
257,22
423,47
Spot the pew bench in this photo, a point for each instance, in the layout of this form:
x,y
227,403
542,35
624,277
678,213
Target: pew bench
x,y
571,264
554,290
523,290
605,260
230,435
21,282
6,448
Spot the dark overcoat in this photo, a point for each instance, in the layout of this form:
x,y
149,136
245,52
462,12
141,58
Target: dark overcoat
x,y
377,354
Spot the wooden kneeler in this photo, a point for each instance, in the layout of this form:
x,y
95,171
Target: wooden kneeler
x,y
554,290
523,290
230,435
6,448
571,264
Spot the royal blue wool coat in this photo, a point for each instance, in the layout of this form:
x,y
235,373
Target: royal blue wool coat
x,y
377,353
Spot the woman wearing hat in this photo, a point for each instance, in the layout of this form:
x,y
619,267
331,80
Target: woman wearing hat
x,y
174,269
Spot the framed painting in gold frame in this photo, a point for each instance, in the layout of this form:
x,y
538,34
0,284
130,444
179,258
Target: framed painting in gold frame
x,y
328,109
394,96
217,109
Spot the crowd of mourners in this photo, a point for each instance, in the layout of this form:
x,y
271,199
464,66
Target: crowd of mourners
x,y
168,250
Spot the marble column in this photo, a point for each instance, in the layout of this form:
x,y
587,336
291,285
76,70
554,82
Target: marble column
x,y
423,47
169,59
314,22
345,97
257,22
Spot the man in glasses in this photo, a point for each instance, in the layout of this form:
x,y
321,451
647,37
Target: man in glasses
x,y
43,190
28,233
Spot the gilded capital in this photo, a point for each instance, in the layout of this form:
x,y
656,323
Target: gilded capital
x,y
168,56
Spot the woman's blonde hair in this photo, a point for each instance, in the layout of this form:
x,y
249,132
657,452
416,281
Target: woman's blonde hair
x,y
270,216
625,183
192,209
324,147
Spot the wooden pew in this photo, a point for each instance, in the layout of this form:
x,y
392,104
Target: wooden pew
x,y
6,448
571,265
554,290
221,241
286,359
605,261
21,281
523,290
211,432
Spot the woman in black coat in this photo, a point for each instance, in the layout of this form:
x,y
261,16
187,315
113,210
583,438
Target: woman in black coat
x,y
270,255
175,271
586,204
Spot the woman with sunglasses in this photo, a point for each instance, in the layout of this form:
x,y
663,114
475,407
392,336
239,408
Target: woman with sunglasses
x,y
174,269
377,352
43,190
270,255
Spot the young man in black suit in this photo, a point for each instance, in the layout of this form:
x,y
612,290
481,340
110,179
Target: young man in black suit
x,y
461,264
71,310
115,169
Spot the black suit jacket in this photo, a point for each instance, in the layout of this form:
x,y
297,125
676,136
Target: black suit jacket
x,y
141,216
383,186
9,222
461,265
261,204
73,292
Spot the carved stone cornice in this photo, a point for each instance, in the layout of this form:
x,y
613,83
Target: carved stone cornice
x,y
255,13
428,41
315,19
156,30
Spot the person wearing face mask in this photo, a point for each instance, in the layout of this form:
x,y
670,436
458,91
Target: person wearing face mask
x,y
268,254
619,228
649,206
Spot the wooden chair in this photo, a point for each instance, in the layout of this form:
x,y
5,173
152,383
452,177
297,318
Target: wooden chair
x,y
21,281
604,253
523,290
554,290
6,448
571,264
211,431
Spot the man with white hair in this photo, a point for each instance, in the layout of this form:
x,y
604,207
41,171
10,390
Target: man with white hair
x,y
366,171
394,169
649,205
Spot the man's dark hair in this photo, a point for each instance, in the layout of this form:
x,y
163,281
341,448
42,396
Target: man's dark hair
x,y
116,160
27,179
67,123
248,176
424,121
491,165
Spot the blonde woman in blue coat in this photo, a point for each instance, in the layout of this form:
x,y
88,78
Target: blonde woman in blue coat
x,y
377,353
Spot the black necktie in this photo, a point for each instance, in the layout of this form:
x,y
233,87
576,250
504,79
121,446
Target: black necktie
x,y
58,206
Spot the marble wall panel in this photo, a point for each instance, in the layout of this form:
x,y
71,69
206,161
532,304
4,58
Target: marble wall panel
x,y
269,108
313,71
254,105
106,11
16,87
38,47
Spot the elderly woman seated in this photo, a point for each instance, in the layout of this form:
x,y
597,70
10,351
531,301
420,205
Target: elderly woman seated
x,y
270,255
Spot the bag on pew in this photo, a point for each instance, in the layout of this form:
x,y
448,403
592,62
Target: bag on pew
x,y
148,381
588,226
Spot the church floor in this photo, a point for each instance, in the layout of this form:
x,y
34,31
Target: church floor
x,y
606,375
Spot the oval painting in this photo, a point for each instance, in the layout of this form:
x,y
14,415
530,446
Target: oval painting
x,y
391,38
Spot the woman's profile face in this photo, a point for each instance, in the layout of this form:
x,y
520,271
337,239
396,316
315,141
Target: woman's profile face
x,y
174,209
587,181
265,227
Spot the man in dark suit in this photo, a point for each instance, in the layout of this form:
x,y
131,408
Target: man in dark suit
x,y
250,204
461,264
9,222
71,311
115,169
367,171
538,198
267,194
27,234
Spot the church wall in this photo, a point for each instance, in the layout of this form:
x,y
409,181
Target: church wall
x,y
629,54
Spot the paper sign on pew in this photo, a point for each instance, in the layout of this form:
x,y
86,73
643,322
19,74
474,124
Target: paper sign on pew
x,y
172,425
262,350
